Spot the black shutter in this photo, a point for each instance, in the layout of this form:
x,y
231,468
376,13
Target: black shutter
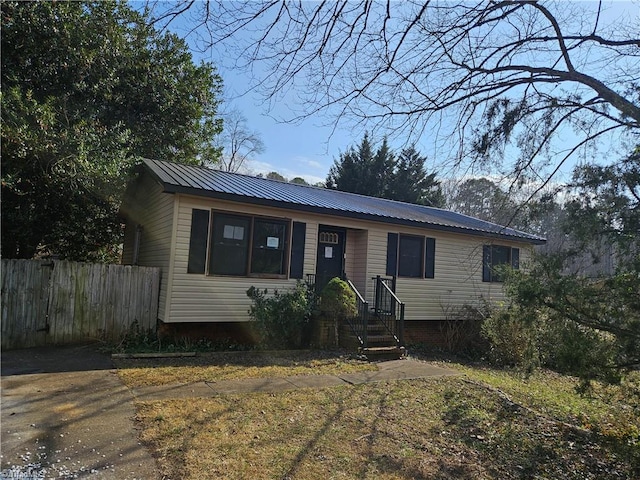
x,y
392,254
430,258
486,263
198,241
515,258
297,249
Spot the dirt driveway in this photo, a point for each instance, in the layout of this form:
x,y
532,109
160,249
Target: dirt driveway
x,y
66,414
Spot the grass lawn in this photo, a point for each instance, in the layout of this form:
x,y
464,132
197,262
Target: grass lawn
x,y
215,366
482,424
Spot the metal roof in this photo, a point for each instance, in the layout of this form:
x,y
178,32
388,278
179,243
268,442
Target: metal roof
x,y
203,181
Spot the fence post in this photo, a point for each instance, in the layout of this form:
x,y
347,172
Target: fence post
x,y
365,320
401,332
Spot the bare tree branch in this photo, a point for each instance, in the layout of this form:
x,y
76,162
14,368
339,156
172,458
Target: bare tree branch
x,y
491,71
240,144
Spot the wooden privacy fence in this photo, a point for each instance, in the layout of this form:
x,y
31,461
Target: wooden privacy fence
x,y
61,302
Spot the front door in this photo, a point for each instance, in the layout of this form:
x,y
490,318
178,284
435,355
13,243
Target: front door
x,y
330,260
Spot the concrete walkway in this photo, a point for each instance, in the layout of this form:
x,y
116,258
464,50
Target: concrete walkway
x,y
66,414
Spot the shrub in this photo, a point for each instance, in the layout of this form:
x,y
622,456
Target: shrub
x,y
337,300
578,350
549,341
462,329
136,339
513,340
281,319
588,327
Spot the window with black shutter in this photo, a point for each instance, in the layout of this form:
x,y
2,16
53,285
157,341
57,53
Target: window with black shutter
x,y
239,245
410,256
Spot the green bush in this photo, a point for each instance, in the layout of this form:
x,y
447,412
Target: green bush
x,y
282,319
138,340
516,339
513,340
135,340
578,350
337,300
587,327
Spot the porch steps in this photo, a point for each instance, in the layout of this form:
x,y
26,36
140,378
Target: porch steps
x,y
380,344
384,335
376,330
377,335
381,341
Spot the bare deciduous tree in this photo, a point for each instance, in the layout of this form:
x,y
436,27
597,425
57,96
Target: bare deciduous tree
x,y
512,84
239,143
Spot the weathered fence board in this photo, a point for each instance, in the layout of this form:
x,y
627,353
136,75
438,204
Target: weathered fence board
x,y
25,295
60,302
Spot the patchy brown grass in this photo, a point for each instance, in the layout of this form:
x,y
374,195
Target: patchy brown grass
x,y
485,424
218,366
605,409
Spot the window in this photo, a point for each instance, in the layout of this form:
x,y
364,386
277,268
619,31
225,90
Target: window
x,y
410,256
243,245
230,245
328,237
496,255
267,251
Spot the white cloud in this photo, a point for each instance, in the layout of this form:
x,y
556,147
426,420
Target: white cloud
x,y
256,167
310,178
309,162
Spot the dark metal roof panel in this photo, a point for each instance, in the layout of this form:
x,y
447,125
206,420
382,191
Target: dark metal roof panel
x,y
208,182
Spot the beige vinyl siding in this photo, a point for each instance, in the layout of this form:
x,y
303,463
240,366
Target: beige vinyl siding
x,y
209,298
148,206
361,270
376,257
355,264
458,273
310,246
349,256
128,245
458,267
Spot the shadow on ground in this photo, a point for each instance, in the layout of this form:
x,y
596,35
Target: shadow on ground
x,y
76,358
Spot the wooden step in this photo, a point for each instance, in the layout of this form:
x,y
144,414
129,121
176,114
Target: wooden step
x,y
381,340
376,327
383,353
371,330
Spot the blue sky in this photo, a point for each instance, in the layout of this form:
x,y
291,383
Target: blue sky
x,y
309,148
303,150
